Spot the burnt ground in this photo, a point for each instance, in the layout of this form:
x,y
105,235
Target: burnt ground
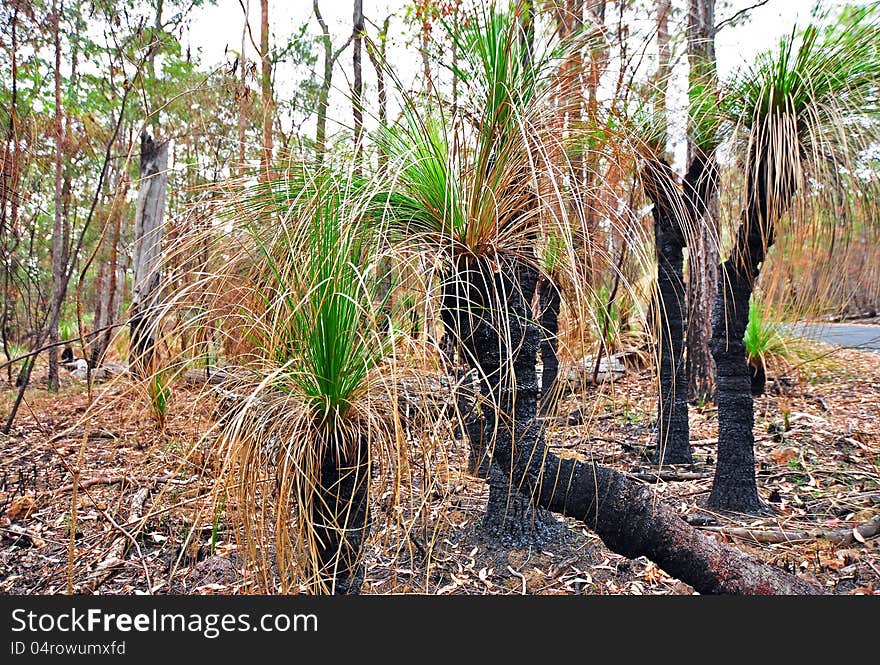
x,y
145,520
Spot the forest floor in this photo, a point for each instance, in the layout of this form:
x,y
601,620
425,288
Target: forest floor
x,y
145,520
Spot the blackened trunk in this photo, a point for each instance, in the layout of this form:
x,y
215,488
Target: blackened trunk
x,y
735,487
340,519
550,300
673,433
627,517
758,376
670,211
479,303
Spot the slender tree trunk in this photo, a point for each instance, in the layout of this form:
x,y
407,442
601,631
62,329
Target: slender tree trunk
x,y
627,517
769,195
673,432
146,254
266,81
326,81
243,93
357,97
703,257
663,65
675,214
330,57
377,59
109,298
59,244
9,195
735,487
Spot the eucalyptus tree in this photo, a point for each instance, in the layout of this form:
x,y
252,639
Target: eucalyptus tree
x,y
803,115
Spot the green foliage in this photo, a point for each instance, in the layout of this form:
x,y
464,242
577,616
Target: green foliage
x,y
160,396
608,317
762,337
66,329
806,112
319,281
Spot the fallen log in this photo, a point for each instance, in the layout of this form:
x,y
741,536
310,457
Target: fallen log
x,y
669,476
846,536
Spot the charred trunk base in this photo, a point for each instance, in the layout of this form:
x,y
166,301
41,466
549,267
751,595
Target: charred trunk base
x,y
550,300
340,521
512,519
758,376
735,487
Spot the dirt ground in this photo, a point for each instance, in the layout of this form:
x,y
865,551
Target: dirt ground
x,y
145,520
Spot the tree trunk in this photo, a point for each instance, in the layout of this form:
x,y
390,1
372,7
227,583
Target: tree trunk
x,y
108,298
357,101
735,487
661,85
474,302
703,257
59,244
330,57
266,85
377,59
549,300
340,519
146,254
675,215
673,432
243,92
627,516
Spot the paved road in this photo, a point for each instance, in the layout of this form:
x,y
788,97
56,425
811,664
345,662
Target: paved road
x,y
853,336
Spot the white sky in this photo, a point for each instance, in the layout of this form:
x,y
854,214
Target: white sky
x,y
216,29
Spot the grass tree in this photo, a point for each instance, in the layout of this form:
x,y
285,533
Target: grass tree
x,y
296,279
467,188
803,116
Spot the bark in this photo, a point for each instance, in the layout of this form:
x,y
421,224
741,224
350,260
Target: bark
x,y
663,66
266,85
676,213
735,487
474,303
357,102
673,433
769,195
10,173
340,518
108,298
703,257
59,246
243,93
550,300
146,253
627,516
